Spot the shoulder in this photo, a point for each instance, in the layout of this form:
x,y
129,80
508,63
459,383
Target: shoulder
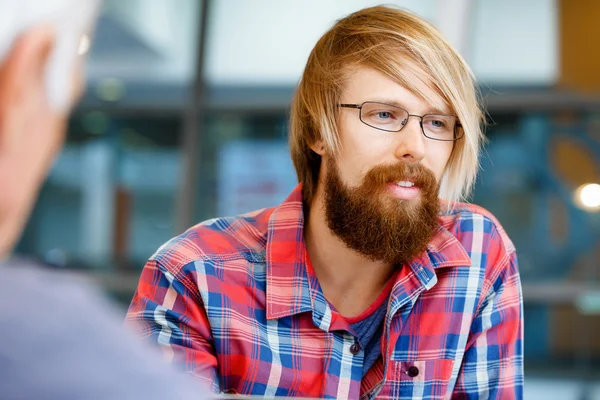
x,y
56,299
483,237
66,339
217,240
475,226
50,285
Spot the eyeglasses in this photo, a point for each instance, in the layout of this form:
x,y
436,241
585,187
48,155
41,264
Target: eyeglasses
x,y
389,118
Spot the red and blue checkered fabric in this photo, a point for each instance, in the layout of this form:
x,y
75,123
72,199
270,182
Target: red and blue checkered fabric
x,y
234,301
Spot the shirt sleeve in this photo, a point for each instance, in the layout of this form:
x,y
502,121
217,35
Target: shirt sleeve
x,y
492,367
167,310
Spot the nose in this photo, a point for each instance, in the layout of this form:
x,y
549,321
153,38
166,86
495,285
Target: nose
x,y
410,142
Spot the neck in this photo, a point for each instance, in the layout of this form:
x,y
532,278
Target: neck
x,y
15,205
23,168
350,281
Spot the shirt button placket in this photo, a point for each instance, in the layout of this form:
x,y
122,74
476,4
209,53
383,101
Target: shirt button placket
x,y
355,349
412,371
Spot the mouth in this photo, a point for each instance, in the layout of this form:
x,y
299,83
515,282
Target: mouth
x,y
405,190
405,184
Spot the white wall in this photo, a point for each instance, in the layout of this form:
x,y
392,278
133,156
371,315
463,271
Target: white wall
x,y
169,27
268,41
515,41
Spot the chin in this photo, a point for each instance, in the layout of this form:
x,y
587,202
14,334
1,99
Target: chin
x,y
392,204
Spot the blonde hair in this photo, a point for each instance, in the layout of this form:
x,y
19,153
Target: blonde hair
x,y
387,40
72,22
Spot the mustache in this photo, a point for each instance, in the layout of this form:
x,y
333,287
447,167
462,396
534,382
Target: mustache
x,y
391,173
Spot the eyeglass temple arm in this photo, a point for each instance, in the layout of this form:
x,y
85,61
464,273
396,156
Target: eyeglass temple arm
x,y
350,106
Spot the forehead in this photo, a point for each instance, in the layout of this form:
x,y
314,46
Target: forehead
x,y
410,89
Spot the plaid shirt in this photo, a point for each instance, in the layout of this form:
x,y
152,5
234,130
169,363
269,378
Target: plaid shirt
x,y
234,301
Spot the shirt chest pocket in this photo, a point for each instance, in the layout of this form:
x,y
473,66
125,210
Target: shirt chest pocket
x,y
418,379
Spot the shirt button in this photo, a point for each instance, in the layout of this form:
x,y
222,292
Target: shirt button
x,y
412,371
355,349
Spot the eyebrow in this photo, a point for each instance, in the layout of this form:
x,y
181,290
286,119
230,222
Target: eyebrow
x,y
431,110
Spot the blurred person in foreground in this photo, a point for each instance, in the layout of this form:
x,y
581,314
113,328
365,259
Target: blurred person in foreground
x,y
371,279
59,337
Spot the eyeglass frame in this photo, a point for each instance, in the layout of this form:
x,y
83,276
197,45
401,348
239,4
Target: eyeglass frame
x,y
360,106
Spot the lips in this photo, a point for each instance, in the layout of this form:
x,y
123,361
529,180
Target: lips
x,y
406,186
407,181
405,190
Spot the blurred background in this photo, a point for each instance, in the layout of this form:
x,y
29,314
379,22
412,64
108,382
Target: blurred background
x,y
185,119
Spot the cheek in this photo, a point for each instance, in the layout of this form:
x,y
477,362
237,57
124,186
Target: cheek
x,y
350,168
78,83
438,156
361,149
358,157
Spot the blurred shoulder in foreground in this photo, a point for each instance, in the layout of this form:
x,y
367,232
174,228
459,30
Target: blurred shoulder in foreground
x,y
62,339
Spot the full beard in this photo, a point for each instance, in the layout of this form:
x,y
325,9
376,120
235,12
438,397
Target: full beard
x,y
371,221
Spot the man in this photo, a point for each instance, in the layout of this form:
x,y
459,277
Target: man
x,y
362,283
59,337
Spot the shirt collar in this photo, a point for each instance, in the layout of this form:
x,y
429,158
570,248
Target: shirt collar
x,y
292,288
288,288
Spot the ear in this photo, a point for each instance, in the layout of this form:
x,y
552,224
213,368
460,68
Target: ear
x,y
319,147
23,69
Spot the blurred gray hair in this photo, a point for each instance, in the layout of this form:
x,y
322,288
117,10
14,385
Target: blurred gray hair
x,y
72,21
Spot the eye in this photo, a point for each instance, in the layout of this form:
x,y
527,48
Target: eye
x,y
384,115
436,123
